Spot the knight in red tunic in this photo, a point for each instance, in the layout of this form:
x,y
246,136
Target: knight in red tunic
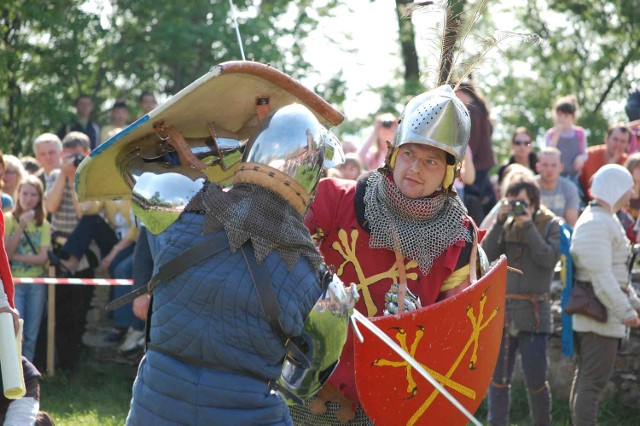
x,y
400,223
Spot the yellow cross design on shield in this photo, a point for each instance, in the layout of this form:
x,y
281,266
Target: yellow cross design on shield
x,y
477,325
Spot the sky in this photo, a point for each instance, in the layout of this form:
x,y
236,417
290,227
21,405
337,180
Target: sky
x,y
367,53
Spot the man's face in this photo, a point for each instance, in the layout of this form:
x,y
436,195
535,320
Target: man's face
x,y
617,142
549,167
120,116
48,155
419,170
84,106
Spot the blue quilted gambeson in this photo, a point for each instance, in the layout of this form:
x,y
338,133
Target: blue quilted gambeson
x,y
211,312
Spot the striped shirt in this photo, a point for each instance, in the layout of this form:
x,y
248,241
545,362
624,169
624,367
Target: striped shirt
x,y
64,220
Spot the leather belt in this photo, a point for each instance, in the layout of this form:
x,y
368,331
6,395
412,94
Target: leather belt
x,y
534,299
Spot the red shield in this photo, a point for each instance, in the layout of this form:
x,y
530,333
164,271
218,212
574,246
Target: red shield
x,y
457,341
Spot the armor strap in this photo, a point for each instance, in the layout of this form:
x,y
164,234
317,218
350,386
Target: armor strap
x,y
259,277
271,307
266,294
176,266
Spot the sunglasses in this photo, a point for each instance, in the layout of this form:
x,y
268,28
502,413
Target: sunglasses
x,y
519,143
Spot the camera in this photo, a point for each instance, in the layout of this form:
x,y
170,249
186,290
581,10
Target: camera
x,y
77,159
518,207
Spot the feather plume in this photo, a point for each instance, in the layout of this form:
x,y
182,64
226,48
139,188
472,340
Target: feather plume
x,y
441,35
486,45
448,36
470,20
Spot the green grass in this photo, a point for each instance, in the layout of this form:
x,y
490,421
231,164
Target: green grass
x,y
100,392
612,411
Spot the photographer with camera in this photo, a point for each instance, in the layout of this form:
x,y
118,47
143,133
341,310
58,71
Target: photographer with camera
x,y
60,195
72,302
529,235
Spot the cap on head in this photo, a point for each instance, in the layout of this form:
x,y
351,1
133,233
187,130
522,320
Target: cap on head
x,y
286,154
610,183
436,118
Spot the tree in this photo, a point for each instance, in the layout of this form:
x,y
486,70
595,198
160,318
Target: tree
x,y
42,50
590,48
53,53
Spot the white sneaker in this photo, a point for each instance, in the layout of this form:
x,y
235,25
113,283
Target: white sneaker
x,y
133,342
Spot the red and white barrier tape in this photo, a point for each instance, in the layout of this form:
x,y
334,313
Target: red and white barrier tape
x,y
74,281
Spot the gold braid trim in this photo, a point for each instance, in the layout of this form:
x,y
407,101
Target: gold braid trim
x,y
276,181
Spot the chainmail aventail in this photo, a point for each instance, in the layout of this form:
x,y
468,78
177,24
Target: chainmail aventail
x,y
422,228
251,212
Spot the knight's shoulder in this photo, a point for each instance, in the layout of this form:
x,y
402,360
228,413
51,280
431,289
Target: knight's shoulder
x,y
335,187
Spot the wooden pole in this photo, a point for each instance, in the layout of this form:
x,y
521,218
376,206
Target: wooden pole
x,y
51,328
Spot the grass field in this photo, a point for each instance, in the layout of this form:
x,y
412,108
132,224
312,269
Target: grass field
x,y
100,392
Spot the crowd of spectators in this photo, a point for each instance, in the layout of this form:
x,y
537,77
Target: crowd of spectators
x,y
48,232
523,204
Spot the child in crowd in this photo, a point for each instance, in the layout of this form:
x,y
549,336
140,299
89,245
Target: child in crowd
x,y
570,139
351,168
27,240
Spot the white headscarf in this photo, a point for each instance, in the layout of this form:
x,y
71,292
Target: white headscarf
x,y
610,183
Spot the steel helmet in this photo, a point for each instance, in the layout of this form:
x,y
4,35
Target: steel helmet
x,y
287,153
436,118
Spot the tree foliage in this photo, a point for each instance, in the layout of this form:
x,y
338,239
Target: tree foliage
x,y
113,49
116,49
590,49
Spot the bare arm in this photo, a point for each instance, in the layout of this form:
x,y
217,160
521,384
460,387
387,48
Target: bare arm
x,y
11,242
54,196
468,170
571,216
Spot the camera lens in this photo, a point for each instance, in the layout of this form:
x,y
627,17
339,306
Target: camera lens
x,y
77,159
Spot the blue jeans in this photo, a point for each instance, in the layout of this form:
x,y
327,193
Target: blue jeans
x,y
122,267
29,300
533,351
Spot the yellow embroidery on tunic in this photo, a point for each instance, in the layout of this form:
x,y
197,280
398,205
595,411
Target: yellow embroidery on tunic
x,y
347,250
455,279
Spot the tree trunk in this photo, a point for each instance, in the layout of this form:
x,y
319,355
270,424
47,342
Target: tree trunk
x,y
408,46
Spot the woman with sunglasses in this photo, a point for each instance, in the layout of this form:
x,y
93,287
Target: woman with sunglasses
x,y
521,152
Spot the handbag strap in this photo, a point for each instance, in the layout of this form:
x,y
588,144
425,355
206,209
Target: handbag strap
x,y
33,247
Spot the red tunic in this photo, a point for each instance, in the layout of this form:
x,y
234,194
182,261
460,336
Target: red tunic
x,y
5,269
333,220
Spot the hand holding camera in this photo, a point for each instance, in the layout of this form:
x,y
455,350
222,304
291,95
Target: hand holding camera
x,y
519,209
71,163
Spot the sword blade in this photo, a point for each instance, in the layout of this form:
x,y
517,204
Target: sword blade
x,y
412,361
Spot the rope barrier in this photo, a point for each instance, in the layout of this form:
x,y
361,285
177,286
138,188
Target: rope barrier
x,y
73,281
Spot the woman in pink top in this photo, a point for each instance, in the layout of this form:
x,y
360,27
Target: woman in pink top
x,y
374,150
